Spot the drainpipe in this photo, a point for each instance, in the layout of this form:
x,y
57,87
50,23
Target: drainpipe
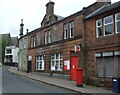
x,y
84,47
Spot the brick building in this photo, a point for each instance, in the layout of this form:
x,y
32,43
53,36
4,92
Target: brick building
x,y
103,45
51,47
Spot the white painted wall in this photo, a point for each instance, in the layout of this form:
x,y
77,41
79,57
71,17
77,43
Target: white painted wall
x,y
14,53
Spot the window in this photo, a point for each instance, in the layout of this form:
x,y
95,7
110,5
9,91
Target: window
x,y
117,19
40,62
107,63
49,36
108,25
56,62
71,29
100,67
33,41
46,37
65,31
99,28
8,51
109,66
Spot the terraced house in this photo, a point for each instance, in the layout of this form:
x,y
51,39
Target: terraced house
x,y
56,47
103,44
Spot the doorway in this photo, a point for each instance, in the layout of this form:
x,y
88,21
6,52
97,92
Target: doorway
x,y
73,65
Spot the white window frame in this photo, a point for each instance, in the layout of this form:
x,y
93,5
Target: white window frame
x,y
108,24
39,59
71,28
116,22
98,27
66,31
54,59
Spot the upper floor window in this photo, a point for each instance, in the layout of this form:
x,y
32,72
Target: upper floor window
x,y
65,31
48,37
71,29
117,19
8,51
108,25
33,41
99,28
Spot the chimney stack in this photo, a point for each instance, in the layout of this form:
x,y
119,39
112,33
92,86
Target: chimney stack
x,y
50,7
21,28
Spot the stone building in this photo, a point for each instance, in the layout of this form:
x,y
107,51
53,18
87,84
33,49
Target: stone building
x,y
23,48
103,44
52,47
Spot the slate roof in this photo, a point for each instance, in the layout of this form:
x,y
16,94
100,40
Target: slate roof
x,y
103,9
14,41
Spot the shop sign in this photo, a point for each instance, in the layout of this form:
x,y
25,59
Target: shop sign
x,y
29,58
67,65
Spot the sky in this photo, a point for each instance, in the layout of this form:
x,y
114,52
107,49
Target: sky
x,y
33,11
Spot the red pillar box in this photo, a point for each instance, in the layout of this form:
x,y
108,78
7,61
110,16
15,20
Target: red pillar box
x,y
79,81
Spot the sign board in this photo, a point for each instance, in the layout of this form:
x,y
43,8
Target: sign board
x,y
107,53
29,58
77,48
67,65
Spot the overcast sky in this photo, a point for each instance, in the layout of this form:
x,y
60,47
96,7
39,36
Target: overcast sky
x,y
33,11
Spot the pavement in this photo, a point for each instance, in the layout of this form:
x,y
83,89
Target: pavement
x,y
63,82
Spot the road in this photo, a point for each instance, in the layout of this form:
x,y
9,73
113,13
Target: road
x,y
17,84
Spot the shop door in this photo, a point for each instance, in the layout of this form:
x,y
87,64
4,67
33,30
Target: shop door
x,y
73,65
29,67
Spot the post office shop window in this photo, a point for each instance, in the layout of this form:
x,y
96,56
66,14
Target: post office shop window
x,y
117,19
56,62
108,25
40,62
99,28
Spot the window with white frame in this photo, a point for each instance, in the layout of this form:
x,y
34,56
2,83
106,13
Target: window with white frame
x,y
108,25
99,28
56,62
40,62
71,29
65,31
117,19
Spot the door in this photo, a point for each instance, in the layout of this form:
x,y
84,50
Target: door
x,y
29,66
73,65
